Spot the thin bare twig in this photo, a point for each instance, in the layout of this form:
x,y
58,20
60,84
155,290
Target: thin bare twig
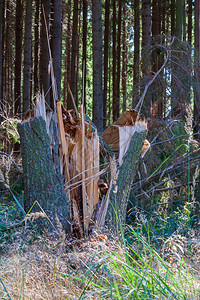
x,y
140,103
6,154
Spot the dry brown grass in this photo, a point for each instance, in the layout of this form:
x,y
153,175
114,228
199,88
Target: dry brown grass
x,y
42,270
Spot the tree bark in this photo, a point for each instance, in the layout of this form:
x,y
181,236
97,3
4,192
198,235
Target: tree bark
x,y
41,182
97,64
119,56
106,54
190,22
84,61
121,188
1,29
146,59
56,43
67,63
36,48
74,57
114,59
27,56
44,54
18,55
124,58
197,71
136,64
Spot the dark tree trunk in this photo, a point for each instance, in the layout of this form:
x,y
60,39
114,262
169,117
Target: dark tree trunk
x,y
36,48
9,38
18,55
136,65
41,182
1,54
97,64
190,22
114,75
84,62
106,52
27,56
119,56
56,43
197,71
2,96
124,58
44,54
173,13
146,58
74,57
179,18
67,74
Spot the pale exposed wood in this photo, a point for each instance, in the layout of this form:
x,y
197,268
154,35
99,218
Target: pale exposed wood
x,y
89,173
63,139
84,195
96,167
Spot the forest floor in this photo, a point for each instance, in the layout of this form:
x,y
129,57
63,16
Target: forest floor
x,y
49,267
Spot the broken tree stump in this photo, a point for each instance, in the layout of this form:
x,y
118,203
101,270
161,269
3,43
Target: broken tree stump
x,y
42,183
120,188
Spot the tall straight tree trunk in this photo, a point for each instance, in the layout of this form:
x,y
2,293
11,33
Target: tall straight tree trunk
x,y
97,63
56,43
36,47
67,56
1,26
173,13
18,55
74,56
9,57
190,22
136,65
44,53
106,54
197,71
27,56
146,59
2,96
179,18
114,57
119,56
124,58
84,63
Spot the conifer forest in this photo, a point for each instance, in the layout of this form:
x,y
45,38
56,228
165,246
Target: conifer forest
x,y
99,149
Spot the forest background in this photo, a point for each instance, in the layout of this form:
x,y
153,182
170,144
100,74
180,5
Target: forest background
x,y
112,56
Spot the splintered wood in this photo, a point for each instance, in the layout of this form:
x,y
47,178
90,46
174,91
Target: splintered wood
x,y
79,157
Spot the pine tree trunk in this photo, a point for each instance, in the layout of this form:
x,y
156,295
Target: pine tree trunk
x,y
84,69
1,27
41,182
136,67
106,52
74,57
97,64
124,58
67,74
56,43
18,55
44,54
190,22
197,71
36,47
146,59
119,56
27,56
114,59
